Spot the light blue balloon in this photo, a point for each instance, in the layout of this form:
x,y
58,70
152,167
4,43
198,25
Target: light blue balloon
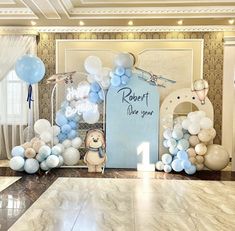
x,y
66,128
56,150
101,95
17,151
31,166
128,72
186,164
17,163
44,166
60,119
30,69
124,79
45,151
167,134
72,134
182,155
40,157
186,136
95,87
177,134
191,170
173,150
93,97
176,165
171,142
115,81
167,168
119,71
165,144
183,144
166,158
73,124
76,118
62,137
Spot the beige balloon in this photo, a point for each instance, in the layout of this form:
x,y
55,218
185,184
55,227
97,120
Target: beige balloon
x,y
26,145
193,140
191,152
37,145
199,167
201,149
193,160
200,159
205,136
30,153
212,131
216,158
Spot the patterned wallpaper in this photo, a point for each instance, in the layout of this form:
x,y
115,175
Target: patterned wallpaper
x,y
212,63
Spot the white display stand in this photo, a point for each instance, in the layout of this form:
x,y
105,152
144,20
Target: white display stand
x,y
173,100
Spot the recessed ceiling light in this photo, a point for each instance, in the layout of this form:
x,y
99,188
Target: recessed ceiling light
x,y
33,23
231,21
130,23
81,23
180,22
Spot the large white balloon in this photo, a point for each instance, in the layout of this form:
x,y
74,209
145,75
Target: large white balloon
x,y
93,65
185,124
16,163
71,156
91,117
77,142
42,125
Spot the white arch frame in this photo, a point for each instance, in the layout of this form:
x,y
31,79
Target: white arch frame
x,y
173,100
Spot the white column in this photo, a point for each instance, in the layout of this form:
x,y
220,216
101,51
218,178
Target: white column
x,y
228,128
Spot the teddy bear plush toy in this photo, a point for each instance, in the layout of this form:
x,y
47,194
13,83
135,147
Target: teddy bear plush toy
x,y
95,156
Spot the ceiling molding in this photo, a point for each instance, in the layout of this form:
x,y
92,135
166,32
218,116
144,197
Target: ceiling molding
x,y
17,13
126,29
150,12
111,29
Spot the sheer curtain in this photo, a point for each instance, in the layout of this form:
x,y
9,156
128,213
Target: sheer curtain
x,y
14,113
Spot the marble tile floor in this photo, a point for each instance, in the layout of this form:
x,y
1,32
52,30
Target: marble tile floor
x,y
7,181
95,204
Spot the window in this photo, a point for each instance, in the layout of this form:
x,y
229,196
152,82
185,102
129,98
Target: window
x,y
13,107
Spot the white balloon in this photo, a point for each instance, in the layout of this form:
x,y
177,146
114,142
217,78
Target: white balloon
x,y
159,166
71,156
61,147
55,130
195,118
194,128
67,143
124,60
202,114
42,125
46,136
91,117
93,65
206,123
77,142
185,124
105,83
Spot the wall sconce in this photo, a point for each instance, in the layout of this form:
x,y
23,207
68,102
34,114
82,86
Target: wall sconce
x,y
201,88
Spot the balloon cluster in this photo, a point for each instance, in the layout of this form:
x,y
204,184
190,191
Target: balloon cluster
x,y
67,126
122,71
187,143
96,94
97,73
35,154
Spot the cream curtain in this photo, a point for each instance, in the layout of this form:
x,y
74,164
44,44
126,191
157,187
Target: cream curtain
x,y
12,127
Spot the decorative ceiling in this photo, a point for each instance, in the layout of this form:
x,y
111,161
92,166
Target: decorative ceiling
x,y
115,12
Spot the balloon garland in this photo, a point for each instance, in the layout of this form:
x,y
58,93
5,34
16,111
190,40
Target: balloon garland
x,y
189,146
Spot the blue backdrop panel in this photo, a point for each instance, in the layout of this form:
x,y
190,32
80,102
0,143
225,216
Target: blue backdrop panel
x,y
132,115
